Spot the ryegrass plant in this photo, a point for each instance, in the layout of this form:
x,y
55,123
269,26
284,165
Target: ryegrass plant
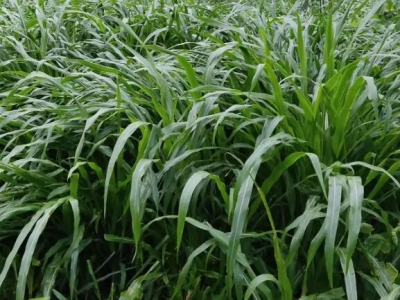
x,y
185,150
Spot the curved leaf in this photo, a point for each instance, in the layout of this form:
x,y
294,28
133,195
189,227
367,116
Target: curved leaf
x,y
185,199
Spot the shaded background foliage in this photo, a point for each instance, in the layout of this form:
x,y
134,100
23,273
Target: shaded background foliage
x,y
179,149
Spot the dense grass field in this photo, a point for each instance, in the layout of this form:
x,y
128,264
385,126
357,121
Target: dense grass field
x,y
177,149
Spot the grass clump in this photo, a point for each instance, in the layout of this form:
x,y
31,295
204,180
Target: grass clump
x,y
184,150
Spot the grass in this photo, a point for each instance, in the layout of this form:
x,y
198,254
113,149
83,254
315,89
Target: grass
x,y
185,150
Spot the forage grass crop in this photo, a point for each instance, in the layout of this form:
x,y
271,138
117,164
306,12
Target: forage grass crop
x,y
193,149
